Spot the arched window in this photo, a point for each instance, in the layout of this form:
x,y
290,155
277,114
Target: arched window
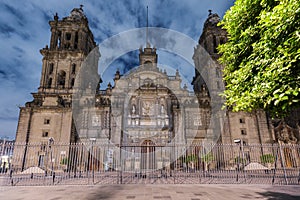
x,y
61,78
76,41
148,62
68,36
73,68
50,71
59,39
72,82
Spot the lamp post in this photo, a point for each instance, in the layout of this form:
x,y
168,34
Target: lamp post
x,y
51,142
241,143
92,140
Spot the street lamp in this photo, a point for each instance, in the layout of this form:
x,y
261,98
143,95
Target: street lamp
x,y
241,143
51,142
92,140
237,141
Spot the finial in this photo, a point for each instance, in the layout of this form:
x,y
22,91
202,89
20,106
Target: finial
x,y
109,85
148,45
56,16
185,86
209,11
81,6
177,73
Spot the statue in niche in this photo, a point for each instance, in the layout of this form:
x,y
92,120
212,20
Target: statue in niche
x,y
162,109
133,109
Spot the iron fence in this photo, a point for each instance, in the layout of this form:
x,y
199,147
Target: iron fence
x,y
99,163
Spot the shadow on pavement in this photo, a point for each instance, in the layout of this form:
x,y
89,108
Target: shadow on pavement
x,y
105,192
278,196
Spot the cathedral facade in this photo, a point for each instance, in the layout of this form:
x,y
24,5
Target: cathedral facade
x,y
146,106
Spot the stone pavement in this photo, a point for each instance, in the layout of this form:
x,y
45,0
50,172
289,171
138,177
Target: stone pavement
x,y
147,192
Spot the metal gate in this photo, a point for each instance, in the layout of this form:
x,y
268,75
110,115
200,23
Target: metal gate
x,y
93,163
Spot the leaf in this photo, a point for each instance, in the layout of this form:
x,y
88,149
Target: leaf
x,y
261,58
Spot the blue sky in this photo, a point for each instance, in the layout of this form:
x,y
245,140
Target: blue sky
x,y
24,30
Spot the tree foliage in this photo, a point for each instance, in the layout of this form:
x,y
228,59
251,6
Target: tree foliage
x,y
191,158
267,158
261,57
208,158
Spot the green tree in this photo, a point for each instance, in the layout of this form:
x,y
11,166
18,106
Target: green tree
x,y
207,159
267,158
239,160
261,57
64,161
191,158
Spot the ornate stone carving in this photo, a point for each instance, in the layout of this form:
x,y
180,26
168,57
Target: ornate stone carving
x,y
148,108
285,133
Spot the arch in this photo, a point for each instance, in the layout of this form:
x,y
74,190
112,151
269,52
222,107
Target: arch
x,y
147,62
73,70
72,82
148,143
59,39
50,70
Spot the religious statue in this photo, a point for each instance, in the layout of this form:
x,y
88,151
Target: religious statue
x,y
133,109
162,109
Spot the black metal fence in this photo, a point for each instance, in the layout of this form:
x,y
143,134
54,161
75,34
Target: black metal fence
x,y
98,163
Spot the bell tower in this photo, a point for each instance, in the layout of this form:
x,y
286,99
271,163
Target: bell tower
x,y
148,55
71,41
49,116
213,35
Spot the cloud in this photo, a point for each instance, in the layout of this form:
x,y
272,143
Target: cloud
x,y
24,30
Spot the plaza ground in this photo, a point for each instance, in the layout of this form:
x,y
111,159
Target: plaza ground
x,y
147,192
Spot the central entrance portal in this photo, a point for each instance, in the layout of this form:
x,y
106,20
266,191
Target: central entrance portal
x,y
148,156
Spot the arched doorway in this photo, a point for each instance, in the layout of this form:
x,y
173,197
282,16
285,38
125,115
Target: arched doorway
x,y
148,156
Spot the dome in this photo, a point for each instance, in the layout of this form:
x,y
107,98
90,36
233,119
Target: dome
x,y
76,14
212,20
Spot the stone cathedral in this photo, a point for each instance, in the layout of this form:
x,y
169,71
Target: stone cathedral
x,y
145,106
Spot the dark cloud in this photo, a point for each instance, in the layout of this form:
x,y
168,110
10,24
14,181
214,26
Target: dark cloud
x,y
2,73
18,49
128,61
124,63
6,30
17,13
